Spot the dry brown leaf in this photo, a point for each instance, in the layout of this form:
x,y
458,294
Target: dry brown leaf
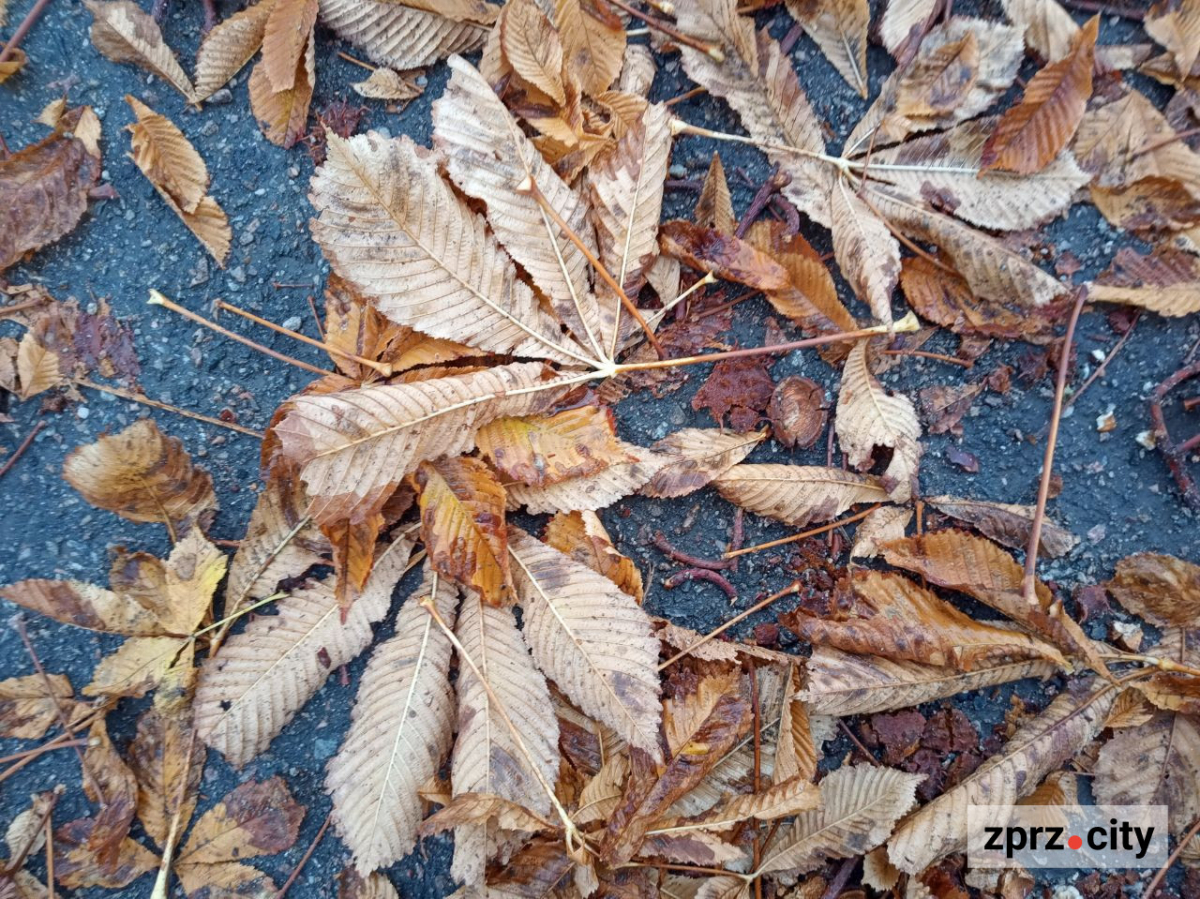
x,y
761,86
1128,140
902,20
230,45
866,251
1154,764
15,62
1176,25
881,526
44,187
591,492
287,30
938,82
1164,282
167,158
1048,28
283,115
581,535
898,619
351,885
122,32
1040,746
1032,133
594,45
600,796
387,84
714,206
392,227
484,809
844,684
532,47
798,494
143,475
839,28
860,804
1162,589
1007,524
547,449
408,35
868,416
462,526
591,638
239,709
29,705
696,457
399,733
39,368
75,864
110,785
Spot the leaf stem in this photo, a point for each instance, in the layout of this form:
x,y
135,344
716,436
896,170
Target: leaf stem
x,y
833,525
307,855
741,616
660,314
22,30
678,126
12,460
712,51
166,407
1162,872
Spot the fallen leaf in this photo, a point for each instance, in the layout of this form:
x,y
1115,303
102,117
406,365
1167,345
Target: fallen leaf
x,y
881,526
29,705
111,785
122,32
591,492
229,46
75,864
1048,28
1162,589
839,28
1007,524
1176,25
938,82
798,495
548,449
387,84
738,388
696,457
283,115
410,34
904,19
943,406
285,33
532,47
866,251
1164,282
714,206
581,535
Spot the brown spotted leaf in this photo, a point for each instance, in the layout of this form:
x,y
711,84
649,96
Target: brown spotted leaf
x,y
28,708
75,865
581,535
546,449
696,457
1008,524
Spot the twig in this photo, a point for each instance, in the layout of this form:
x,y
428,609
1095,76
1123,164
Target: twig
x,y
307,855
1028,586
775,182
738,537
687,95
661,542
832,526
50,854
840,879
756,711
1176,460
853,737
1171,859
45,747
18,862
23,29
312,305
382,367
701,574
1100,369
925,354
12,460
157,299
790,39
21,307
166,407
357,62
713,52
791,588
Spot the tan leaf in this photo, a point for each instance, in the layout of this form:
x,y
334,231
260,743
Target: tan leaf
x,y
902,20
796,754
263,675
761,86
783,800
594,491
111,785
547,449
143,475
1176,25
490,159
138,665
593,44
601,795
283,115
357,445
868,416
83,605
210,225
179,591
591,638
39,367
75,864
487,758
898,619
1148,205
1032,133
844,684
936,83
288,28
948,164
696,457
860,806
391,226
352,885
1164,282
29,705
167,158
399,733
484,809
879,527
352,543
122,32
718,887
840,30
1048,27
1040,746
714,207
462,526
387,84
866,251
532,47
408,35
798,494
1162,589
1006,523
581,535
230,45
1129,140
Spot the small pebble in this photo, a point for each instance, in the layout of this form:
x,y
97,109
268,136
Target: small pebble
x,y
293,323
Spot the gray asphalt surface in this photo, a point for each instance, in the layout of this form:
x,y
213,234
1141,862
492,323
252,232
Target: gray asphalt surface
x,y
1117,496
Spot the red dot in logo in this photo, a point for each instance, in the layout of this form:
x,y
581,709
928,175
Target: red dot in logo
x,y
1075,842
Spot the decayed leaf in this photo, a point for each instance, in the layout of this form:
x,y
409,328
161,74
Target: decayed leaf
x,y
581,535
143,475
867,253
408,35
591,492
936,83
1176,25
1128,140
75,864
354,447
1162,589
462,525
840,30
860,805
239,708
283,115
484,809
285,33
111,785
487,758
1047,26
798,494
547,449
1165,282
28,708
387,84
599,798
124,33
902,20
39,368
898,619
879,527
44,187
1033,132
696,457
1040,746
759,82
15,62
399,733
843,684
1153,764
257,818
1007,524
351,885
591,638
868,416
532,47
230,45
391,226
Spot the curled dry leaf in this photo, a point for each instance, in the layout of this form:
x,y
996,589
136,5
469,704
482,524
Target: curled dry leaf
x,y
696,457
1162,589
229,46
904,20
1040,746
581,535
881,526
285,34
798,494
143,475
866,251
283,115
714,206
412,33
29,705
1048,28
1007,524
798,412
122,32
547,449
387,84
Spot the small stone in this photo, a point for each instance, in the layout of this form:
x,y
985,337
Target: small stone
x,y
1106,422
324,748
293,323
221,97
1098,533
82,412
678,171
1147,439
238,273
